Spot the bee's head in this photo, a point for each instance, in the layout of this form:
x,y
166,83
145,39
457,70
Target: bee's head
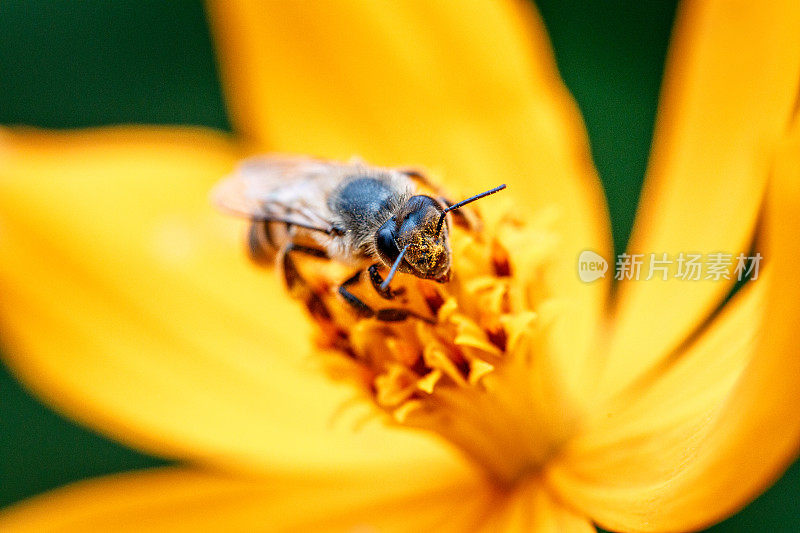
x,y
415,240
415,228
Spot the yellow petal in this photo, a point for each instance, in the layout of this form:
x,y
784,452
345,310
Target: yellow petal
x,y
178,499
717,457
730,84
472,94
678,398
654,430
531,508
129,304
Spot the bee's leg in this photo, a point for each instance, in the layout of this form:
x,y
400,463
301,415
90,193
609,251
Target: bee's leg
x,y
417,175
365,311
291,274
297,285
362,309
376,279
459,217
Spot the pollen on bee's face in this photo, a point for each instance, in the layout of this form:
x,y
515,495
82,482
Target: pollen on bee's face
x,y
449,370
428,257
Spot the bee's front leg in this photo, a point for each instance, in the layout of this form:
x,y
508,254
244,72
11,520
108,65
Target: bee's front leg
x,y
377,280
365,311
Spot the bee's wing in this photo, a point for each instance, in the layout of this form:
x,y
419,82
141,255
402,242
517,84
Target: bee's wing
x,y
283,188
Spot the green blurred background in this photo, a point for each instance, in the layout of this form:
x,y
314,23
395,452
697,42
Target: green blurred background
x,y
67,64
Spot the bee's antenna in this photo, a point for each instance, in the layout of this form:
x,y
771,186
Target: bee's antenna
x,y
393,270
462,203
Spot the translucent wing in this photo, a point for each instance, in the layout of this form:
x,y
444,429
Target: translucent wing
x,y
285,189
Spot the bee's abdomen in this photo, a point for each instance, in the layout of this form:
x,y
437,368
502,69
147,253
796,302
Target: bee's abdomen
x,y
263,241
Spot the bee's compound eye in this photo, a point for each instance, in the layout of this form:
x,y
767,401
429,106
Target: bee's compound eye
x,y
385,243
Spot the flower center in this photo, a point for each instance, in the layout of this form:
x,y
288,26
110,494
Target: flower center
x,y
478,373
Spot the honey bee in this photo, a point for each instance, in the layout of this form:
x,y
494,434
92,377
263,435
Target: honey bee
x,y
368,217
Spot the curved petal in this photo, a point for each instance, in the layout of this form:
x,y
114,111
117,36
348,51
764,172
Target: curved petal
x,y
190,500
129,304
725,447
530,507
654,429
731,81
472,94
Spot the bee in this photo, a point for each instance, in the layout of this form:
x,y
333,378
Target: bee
x,y
368,217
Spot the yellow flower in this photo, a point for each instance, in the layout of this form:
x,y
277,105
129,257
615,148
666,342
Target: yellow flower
x,y
128,304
